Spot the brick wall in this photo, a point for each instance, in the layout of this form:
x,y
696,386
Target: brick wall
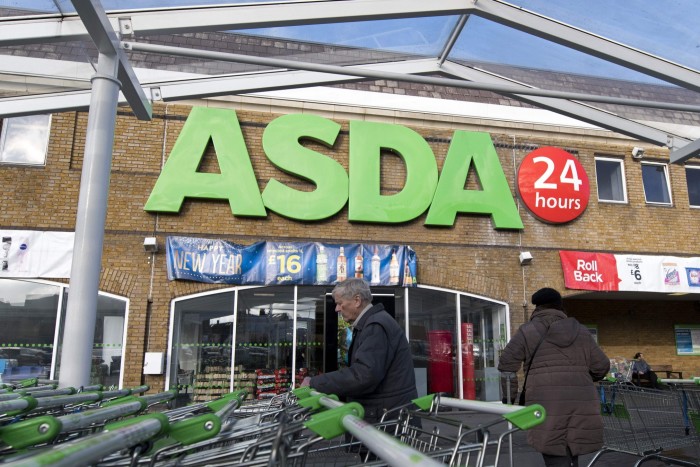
x,y
470,256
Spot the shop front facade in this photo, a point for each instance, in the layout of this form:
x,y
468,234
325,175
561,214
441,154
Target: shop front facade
x,y
479,250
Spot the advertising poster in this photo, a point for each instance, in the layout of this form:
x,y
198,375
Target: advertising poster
x,y
635,273
639,273
593,329
687,339
29,253
288,263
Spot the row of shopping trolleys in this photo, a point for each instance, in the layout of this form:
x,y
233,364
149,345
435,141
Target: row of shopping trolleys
x,y
661,424
42,425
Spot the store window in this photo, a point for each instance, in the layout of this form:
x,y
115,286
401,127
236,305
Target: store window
x,y
692,177
656,183
279,335
30,335
610,178
202,348
432,325
24,140
108,342
483,325
28,316
265,331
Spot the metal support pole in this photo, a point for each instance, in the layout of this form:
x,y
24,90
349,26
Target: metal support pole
x,y
79,329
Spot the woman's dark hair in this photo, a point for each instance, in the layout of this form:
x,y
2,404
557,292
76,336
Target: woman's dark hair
x,y
637,355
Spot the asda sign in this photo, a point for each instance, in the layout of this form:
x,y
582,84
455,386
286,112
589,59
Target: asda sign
x,y
442,195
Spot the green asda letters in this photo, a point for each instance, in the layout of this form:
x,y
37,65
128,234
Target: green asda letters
x,y
443,195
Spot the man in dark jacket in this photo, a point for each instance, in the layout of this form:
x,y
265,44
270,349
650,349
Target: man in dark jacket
x,y
561,378
380,373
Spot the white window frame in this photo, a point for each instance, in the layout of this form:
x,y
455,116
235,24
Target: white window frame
x,y
623,180
39,142
668,184
691,167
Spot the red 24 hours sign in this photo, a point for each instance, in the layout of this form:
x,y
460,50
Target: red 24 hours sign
x,y
553,185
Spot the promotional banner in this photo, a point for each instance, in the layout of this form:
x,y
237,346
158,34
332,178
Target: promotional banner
x,y
288,263
607,272
29,253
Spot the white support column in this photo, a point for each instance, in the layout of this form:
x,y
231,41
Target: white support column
x,y
79,329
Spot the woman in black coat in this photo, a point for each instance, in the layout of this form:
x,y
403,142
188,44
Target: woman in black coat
x,y
561,377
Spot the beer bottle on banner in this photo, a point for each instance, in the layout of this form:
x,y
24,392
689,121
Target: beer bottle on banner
x,y
407,279
321,265
393,269
376,270
341,266
359,267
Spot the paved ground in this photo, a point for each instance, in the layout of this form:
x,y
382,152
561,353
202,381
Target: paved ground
x,y
524,456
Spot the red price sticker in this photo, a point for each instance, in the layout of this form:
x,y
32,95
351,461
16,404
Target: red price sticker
x,y
553,185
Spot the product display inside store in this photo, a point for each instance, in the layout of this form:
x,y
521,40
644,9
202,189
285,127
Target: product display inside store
x,y
279,335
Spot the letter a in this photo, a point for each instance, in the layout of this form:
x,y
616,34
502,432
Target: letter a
x,y
494,198
180,179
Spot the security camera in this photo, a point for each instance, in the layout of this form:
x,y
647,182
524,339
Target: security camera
x,y
525,258
637,152
150,244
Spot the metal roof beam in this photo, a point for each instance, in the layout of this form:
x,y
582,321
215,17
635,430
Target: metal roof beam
x,y
23,30
278,80
250,16
106,41
381,74
686,152
201,87
577,110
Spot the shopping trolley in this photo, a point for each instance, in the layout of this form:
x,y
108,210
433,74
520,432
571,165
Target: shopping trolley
x,y
644,422
426,427
115,433
440,430
688,391
301,428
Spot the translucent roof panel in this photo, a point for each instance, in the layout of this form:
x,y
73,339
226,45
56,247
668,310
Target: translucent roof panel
x,y
666,28
485,41
29,7
421,36
24,7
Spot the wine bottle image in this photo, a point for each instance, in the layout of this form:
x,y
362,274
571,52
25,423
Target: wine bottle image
x,y
393,269
341,272
376,268
359,267
321,265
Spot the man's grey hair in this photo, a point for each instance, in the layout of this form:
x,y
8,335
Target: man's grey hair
x,y
353,286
